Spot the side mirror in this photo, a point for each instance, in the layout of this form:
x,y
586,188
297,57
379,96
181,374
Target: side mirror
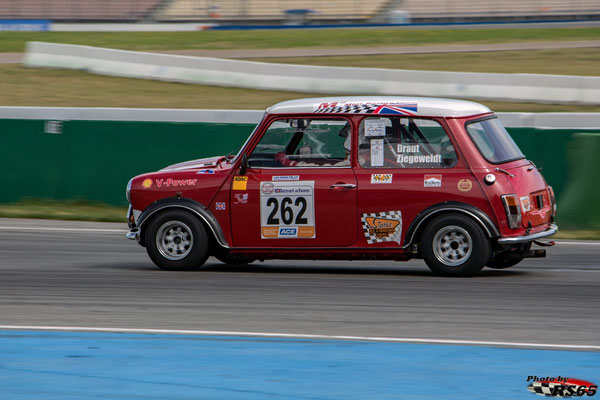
x,y
244,164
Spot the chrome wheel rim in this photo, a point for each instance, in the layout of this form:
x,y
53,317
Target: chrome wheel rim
x,y
174,240
452,245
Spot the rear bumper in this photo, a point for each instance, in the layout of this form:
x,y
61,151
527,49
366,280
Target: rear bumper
x,y
529,238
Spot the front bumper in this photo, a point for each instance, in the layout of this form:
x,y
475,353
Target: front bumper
x,y
133,235
529,238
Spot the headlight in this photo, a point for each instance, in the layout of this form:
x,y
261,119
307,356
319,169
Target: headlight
x,y
128,191
513,210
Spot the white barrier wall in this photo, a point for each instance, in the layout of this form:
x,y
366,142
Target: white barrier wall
x,y
511,120
316,79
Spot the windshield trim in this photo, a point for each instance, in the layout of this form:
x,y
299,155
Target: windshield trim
x,y
474,121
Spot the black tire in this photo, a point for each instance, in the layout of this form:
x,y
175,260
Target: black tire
x,y
454,245
233,260
507,260
177,241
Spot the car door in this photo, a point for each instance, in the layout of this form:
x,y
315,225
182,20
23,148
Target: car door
x,y
405,166
299,190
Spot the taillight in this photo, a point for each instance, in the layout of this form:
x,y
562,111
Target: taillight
x,y
513,210
552,200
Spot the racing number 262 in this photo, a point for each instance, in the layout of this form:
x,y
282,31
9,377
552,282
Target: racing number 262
x,y
287,211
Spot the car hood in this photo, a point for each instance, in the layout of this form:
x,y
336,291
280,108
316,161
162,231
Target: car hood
x,y
209,162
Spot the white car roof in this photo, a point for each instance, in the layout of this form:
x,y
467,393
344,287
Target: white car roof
x,y
386,105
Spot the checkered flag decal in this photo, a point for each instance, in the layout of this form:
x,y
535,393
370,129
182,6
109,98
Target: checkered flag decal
x,y
349,109
544,388
372,237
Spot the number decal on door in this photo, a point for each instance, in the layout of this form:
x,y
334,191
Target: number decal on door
x,y
287,210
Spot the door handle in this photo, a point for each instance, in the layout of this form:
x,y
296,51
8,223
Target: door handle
x,y
343,186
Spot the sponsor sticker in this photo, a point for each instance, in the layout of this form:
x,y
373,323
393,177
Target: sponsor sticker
x,y
240,182
525,204
205,171
464,185
374,127
376,152
220,205
267,188
287,210
559,386
288,231
432,181
240,198
279,178
410,154
147,183
381,178
367,107
382,227
175,182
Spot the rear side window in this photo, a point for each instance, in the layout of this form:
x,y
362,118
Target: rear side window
x,y
400,142
493,141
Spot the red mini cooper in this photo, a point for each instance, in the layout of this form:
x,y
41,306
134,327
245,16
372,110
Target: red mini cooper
x,y
350,178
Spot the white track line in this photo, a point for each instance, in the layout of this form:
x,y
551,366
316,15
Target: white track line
x,y
590,243
303,336
36,228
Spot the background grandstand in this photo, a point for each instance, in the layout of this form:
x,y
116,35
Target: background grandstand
x,y
294,11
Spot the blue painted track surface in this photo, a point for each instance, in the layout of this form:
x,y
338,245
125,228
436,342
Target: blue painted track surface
x,y
58,365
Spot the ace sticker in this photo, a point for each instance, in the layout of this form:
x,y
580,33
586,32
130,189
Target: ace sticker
x,y
287,210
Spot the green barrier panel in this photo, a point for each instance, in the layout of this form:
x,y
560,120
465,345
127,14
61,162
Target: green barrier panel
x,y
578,204
547,148
94,160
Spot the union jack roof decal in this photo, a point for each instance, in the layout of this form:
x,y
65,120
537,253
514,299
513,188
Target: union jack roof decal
x,y
383,105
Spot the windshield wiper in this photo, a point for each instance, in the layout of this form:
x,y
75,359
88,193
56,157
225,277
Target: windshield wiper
x,y
505,172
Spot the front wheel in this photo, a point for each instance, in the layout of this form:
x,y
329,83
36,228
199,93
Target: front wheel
x,y
454,245
176,240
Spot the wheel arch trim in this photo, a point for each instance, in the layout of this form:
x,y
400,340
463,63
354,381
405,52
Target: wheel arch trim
x,y
188,204
478,215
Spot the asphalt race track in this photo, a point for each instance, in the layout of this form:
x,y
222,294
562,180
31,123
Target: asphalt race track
x,y
77,274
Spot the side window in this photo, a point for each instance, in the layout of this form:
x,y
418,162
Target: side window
x,y
400,142
301,142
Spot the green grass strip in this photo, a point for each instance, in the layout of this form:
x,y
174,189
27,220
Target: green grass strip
x,y
268,39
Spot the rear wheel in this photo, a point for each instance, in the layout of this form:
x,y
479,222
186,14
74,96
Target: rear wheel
x,y
176,240
454,245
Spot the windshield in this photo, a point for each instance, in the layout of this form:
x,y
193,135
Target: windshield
x,y
493,141
248,139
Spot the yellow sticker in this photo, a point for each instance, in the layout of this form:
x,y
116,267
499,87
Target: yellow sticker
x,y
147,183
240,182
